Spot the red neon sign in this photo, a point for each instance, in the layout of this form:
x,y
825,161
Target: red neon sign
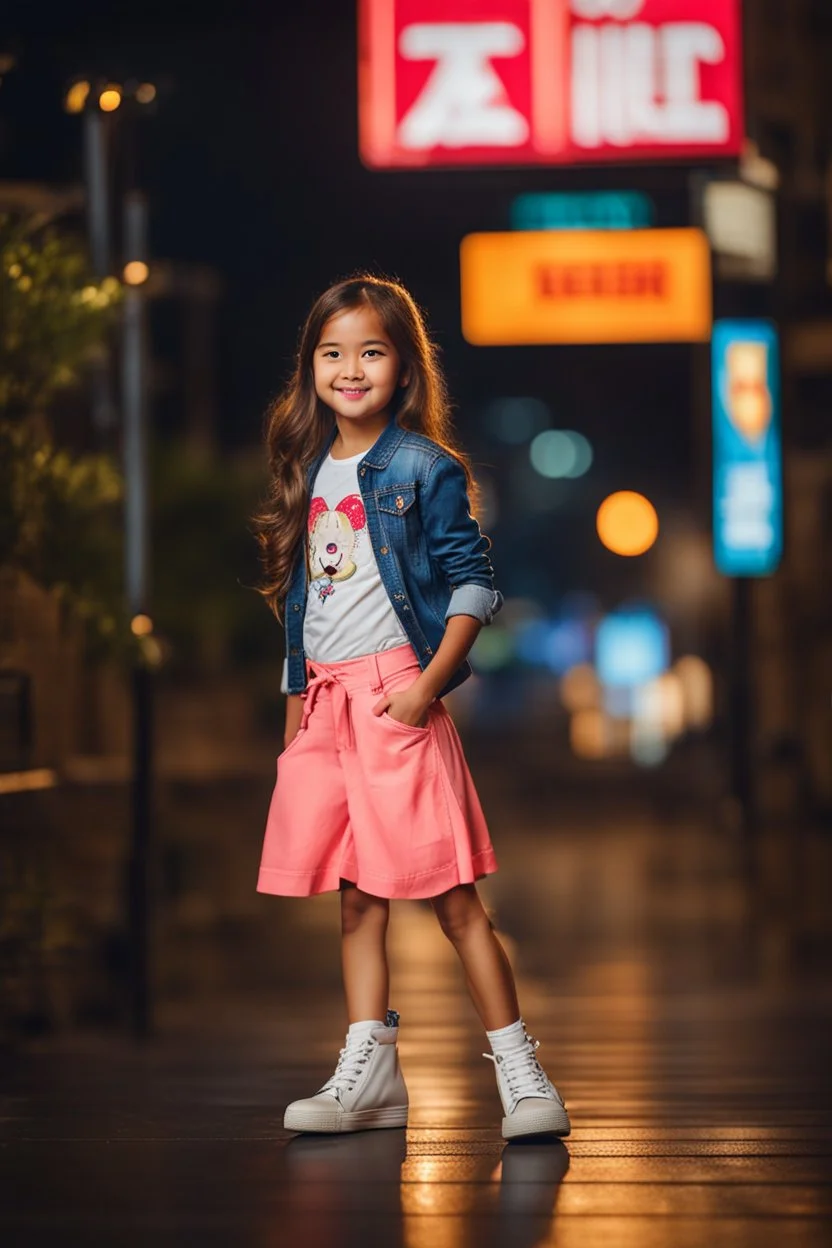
x,y
458,82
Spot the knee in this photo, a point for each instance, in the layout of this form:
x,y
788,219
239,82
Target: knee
x,y
360,909
460,913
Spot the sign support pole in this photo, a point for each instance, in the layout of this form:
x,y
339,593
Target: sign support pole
x,y
741,717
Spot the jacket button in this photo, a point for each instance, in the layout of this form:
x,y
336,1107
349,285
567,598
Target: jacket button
x,y
362,471
399,502
383,550
405,607
296,606
294,650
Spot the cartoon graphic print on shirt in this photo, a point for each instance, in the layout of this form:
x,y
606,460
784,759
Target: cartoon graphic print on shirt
x,y
333,536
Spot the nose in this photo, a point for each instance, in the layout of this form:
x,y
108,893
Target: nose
x,y
352,369
331,548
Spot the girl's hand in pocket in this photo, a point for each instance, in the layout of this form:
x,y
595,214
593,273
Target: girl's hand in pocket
x,y
405,706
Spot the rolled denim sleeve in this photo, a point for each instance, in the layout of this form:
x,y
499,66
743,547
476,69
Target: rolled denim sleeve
x,y
475,600
456,543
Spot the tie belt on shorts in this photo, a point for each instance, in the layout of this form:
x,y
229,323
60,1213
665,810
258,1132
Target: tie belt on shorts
x,y
341,700
344,735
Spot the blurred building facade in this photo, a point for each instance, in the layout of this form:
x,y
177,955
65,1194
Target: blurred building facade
x,y
789,118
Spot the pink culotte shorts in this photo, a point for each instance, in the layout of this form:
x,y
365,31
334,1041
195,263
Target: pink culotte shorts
x,y
360,797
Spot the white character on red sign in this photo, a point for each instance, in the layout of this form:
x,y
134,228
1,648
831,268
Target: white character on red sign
x,y
635,83
464,102
590,10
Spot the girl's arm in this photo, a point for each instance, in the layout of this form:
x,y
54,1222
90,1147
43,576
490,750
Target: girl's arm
x,y
459,549
455,543
294,710
411,704
460,634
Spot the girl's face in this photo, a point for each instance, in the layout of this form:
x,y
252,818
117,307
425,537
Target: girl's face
x,y
356,367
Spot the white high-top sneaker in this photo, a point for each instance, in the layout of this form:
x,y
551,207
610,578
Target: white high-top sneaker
x,y
531,1102
367,1089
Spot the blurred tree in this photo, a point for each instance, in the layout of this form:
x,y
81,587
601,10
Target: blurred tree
x,y
58,508
200,601
59,522
53,316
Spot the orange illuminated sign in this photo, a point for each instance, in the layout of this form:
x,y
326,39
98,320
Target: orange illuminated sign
x,y
528,287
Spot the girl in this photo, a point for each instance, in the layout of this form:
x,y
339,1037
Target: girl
x,y
381,577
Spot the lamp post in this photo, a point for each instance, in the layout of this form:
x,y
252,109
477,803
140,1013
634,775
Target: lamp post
x,y
98,102
134,401
96,179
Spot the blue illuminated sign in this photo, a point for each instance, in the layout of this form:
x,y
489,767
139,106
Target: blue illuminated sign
x,y
748,489
587,210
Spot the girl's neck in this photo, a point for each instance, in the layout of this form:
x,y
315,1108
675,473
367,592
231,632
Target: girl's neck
x,y
350,441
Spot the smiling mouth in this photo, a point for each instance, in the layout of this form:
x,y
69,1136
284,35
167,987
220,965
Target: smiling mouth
x,y
352,392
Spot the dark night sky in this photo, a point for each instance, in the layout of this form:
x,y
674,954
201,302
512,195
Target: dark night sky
x,y
252,167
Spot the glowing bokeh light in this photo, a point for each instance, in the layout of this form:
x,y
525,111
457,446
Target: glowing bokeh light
x,y
135,272
617,701
76,97
627,523
110,99
658,705
697,682
671,700
579,688
648,746
516,420
146,93
141,625
631,646
560,453
589,734
493,648
556,644
658,717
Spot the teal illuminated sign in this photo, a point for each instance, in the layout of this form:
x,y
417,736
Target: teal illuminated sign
x,y
586,210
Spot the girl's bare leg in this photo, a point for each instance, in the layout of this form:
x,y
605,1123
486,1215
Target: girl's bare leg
x,y
487,968
364,953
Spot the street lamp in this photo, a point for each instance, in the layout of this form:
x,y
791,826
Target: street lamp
x,y
75,100
135,272
110,98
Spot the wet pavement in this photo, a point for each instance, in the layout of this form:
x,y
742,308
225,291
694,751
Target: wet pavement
x,y
685,1016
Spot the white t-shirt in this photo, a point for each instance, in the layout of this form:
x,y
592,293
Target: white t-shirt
x,y
348,612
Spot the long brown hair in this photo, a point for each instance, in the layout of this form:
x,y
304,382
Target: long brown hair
x,y
298,423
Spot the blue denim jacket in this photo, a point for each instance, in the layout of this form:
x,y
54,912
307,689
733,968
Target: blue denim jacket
x,y
431,554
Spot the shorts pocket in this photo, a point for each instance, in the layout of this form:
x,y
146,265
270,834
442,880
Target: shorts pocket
x,y
287,748
397,723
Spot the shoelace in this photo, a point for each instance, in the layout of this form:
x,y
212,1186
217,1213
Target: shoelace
x,y
351,1061
522,1071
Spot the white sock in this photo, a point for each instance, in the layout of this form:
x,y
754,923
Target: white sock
x,y
507,1037
364,1028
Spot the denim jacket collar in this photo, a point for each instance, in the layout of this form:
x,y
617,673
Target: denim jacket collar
x,y
379,454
